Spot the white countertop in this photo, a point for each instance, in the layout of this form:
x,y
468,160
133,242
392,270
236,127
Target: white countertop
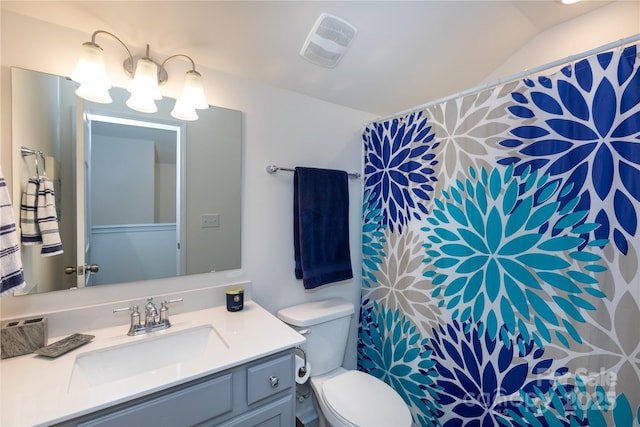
x,y
36,390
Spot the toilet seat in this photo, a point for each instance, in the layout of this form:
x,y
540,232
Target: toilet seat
x,y
360,399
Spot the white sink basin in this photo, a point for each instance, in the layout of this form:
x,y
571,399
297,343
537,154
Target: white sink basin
x,y
161,356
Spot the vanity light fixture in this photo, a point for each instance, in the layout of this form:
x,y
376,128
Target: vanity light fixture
x,y
147,75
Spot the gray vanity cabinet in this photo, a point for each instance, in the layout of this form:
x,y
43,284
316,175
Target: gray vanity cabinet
x,y
259,393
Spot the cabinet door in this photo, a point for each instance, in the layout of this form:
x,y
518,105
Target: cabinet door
x,y
186,407
278,413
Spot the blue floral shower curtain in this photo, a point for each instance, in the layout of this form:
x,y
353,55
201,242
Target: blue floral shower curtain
x,y
501,252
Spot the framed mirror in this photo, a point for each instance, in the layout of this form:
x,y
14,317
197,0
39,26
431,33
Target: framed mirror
x,y
138,196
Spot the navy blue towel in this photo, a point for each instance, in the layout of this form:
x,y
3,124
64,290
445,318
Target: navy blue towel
x,y
321,226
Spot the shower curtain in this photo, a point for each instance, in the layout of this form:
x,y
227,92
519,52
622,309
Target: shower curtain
x,y
501,282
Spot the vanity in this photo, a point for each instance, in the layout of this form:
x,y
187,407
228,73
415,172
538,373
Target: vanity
x,y
211,367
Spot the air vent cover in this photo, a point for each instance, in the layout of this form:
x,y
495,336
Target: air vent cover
x,y
328,40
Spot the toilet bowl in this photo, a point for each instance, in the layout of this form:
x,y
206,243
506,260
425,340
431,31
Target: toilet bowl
x,y
343,398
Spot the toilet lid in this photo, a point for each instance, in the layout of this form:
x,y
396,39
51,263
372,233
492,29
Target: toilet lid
x,y
364,400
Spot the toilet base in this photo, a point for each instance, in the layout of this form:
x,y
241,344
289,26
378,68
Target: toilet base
x,y
322,420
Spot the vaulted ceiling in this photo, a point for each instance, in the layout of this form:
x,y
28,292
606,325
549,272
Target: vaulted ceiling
x,y
404,54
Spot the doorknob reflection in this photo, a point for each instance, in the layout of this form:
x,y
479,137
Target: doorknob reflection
x,y
80,270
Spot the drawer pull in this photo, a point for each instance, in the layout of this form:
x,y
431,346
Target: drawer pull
x,y
274,381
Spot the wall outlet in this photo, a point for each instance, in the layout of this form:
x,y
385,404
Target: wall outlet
x,y
209,220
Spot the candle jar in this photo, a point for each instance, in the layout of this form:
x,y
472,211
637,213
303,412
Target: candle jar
x,y
235,298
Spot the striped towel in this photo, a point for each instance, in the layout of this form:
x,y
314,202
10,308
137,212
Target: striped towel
x,y
28,219
48,218
11,274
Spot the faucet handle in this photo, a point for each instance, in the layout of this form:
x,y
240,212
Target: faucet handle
x,y
132,308
164,309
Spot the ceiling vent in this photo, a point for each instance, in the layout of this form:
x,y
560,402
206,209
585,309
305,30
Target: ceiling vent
x,y
328,40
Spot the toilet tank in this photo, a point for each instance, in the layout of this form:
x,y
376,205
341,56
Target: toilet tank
x,y
325,325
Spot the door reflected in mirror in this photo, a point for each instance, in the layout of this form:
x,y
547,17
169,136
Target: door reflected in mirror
x,y
132,183
144,196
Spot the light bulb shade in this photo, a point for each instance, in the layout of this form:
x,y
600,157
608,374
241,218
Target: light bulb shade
x,y
90,68
145,80
92,75
184,111
143,104
94,93
193,92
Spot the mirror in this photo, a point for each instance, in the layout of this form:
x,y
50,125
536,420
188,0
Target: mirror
x,y
142,196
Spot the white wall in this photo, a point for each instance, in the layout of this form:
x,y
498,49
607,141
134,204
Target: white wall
x,y
617,21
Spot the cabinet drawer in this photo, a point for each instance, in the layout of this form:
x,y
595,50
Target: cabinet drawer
x,y
189,406
269,378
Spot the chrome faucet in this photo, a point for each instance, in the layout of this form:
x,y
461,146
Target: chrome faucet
x,y
151,313
153,320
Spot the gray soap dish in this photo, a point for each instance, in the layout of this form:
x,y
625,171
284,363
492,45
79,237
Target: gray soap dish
x,y
64,345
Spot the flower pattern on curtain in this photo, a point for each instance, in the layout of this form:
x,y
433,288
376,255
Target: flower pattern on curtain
x,y
501,252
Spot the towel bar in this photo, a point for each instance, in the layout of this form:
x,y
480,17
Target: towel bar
x,y
274,169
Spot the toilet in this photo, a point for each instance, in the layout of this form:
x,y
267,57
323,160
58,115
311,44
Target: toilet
x,y
343,398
